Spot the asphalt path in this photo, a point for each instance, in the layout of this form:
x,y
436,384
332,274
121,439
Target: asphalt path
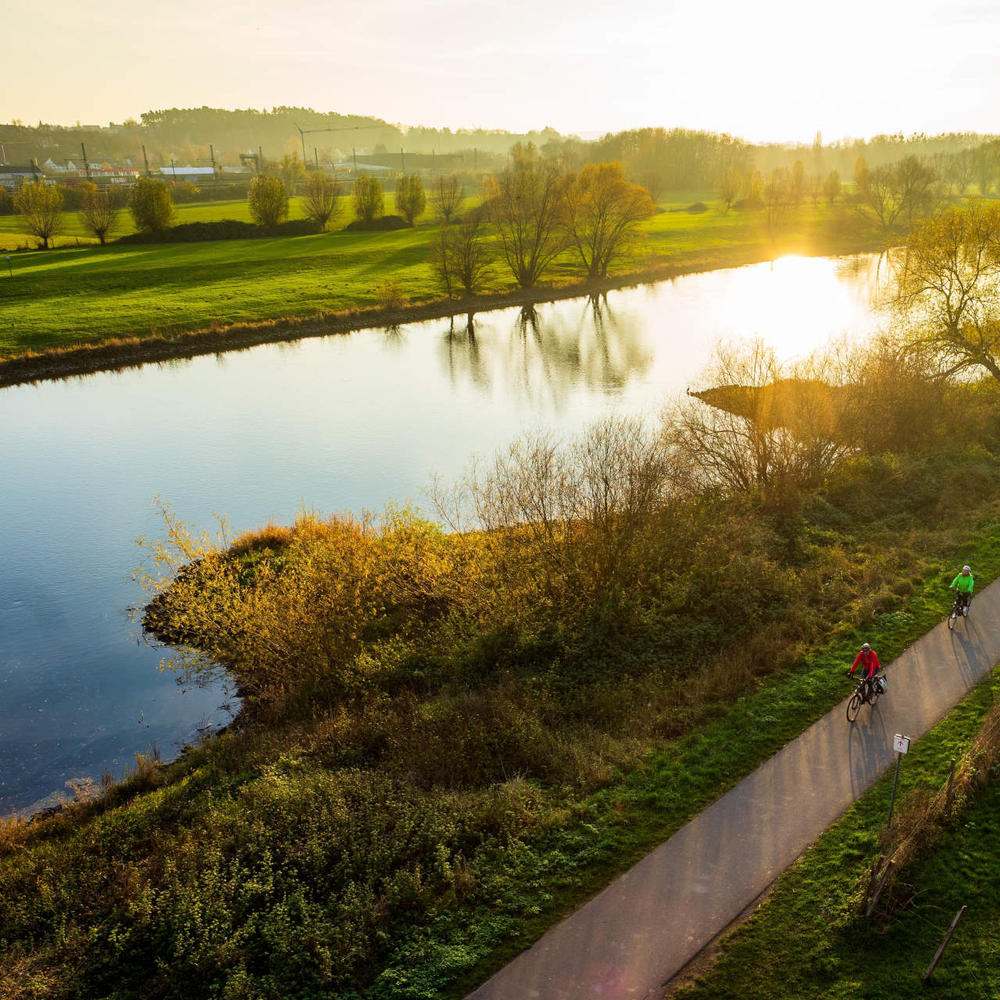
x,y
650,922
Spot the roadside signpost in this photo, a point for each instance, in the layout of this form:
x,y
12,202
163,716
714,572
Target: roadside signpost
x,y
901,744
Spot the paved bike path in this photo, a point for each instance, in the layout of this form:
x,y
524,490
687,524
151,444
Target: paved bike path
x,y
656,917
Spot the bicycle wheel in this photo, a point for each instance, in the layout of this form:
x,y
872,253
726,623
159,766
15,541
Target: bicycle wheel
x,y
853,707
951,618
875,691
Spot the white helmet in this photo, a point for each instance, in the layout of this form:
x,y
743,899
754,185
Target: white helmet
x,y
866,647
966,569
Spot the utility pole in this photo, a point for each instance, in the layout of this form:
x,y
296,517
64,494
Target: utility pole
x,y
316,157
354,153
211,152
86,165
3,153
260,159
402,162
145,159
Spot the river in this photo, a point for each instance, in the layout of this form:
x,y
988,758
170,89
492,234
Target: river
x,y
332,423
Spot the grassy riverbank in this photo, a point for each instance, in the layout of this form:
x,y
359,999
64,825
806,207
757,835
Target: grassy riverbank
x,y
811,927
451,740
91,294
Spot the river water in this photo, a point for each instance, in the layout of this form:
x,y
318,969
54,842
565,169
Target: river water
x,y
332,423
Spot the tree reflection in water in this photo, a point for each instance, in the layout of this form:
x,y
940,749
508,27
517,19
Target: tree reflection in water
x,y
540,354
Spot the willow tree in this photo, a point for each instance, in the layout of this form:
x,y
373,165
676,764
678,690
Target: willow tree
x,y
321,202
410,199
603,213
151,205
526,203
268,200
462,255
40,205
447,195
99,211
729,186
368,198
945,288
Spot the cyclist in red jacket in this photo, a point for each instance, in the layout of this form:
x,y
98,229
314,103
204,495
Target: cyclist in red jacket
x,y
868,659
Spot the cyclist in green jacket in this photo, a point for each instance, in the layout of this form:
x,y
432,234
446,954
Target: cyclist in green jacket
x,y
964,583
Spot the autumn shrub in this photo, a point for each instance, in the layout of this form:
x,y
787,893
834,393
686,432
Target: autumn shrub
x,y
368,199
390,296
151,205
40,206
268,200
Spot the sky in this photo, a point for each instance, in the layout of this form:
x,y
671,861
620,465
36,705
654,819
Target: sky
x,y
778,71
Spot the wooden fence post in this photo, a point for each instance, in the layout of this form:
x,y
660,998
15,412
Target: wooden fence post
x,y
951,778
871,882
878,891
943,945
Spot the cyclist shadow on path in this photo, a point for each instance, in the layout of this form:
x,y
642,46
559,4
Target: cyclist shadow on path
x,y
967,645
866,748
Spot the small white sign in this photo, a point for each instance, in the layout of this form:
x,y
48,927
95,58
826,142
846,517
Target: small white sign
x,y
901,743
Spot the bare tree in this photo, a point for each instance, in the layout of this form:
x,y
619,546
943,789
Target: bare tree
x,y
447,195
962,169
291,170
831,187
463,255
777,198
797,182
755,429
526,203
877,196
652,181
572,518
893,191
730,183
814,188
985,159
946,287
40,205
99,211
753,186
603,213
914,184
321,201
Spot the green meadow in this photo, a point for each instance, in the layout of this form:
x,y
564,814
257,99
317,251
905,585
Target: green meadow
x,y
87,293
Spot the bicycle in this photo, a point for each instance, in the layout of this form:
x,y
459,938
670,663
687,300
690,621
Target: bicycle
x,y
869,692
958,608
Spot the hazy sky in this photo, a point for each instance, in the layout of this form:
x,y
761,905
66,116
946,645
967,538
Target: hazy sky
x,y
778,70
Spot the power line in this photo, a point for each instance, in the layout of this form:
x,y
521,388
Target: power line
x,y
303,132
